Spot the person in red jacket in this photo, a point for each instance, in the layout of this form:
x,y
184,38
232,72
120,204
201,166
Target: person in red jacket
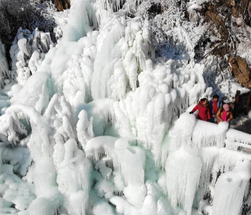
x,y
204,111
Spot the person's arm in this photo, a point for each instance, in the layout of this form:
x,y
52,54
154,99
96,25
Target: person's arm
x,y
219,115
195,108
230,117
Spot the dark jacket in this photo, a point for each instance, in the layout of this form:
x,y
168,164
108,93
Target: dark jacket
x,y
219,103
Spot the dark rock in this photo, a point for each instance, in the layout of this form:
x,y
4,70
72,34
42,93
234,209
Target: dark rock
x,y
62,4
241,70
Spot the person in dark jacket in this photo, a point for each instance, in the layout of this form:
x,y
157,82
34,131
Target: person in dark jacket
x,y
202,107
214,106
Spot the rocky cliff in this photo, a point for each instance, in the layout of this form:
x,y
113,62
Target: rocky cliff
x,y
229,35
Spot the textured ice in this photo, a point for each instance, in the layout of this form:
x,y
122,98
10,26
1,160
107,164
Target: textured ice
x,y
183,169
98,123
230,189
4,70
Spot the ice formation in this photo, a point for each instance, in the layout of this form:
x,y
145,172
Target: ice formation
x,y
230,190
98,123
4,68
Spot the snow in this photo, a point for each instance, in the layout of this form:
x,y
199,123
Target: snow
x,y
98,123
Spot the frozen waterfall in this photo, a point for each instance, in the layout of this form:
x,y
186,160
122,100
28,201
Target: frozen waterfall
x,y
98,123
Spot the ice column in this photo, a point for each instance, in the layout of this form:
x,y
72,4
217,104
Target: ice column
x,y
183,169
230,190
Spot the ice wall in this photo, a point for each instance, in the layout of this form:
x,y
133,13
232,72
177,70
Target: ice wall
x,y
196,158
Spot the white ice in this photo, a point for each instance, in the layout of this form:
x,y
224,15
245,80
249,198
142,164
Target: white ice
x,y
98,123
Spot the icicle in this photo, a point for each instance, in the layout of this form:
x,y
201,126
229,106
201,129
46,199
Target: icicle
x,y
183,169
230,190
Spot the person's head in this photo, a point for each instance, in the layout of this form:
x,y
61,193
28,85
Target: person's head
x,y
215,98
226,107
204,101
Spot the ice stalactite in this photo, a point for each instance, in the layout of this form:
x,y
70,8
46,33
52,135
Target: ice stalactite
x,y
14,161
82,20
25,96
203,142
230,189
163,97
234,136
14,191
4,67
38,141
84,128
183,169
123,157
209,157
27,52
155,203
71,195
39,147
106,116
59,115
209,134
71,66
128,156
41,206
126,49
99,146
100,112
112,6
227,161
12,129
197,132
48,197
76,79
73,176
17,156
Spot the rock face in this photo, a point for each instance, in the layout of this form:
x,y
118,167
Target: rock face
x,y
241,70
62,4
228,21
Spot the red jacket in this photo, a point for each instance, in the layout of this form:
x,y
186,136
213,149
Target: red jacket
x,y
204,112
